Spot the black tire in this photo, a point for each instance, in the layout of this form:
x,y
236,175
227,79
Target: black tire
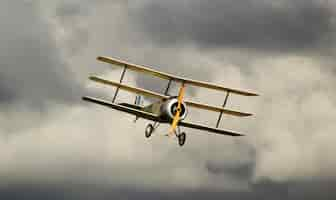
x,y
149,130
181,138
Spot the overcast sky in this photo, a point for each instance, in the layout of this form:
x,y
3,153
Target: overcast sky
x,y
55,146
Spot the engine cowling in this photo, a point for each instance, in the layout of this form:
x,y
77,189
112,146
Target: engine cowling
x,y
169,109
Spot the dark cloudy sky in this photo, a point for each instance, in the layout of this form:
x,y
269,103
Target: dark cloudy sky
x,y
53,146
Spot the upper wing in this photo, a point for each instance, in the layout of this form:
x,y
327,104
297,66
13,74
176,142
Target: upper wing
x,y
123,108
205,128
167,76
161,96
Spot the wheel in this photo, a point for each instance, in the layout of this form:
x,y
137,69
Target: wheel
x,y
181,138
149,130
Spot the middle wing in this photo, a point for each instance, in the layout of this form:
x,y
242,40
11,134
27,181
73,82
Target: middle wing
x,y
161,96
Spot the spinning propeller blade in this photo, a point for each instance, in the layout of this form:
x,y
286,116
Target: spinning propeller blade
x,y
178,111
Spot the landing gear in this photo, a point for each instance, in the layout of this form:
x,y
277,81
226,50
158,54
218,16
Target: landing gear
x,y
181,138
150,129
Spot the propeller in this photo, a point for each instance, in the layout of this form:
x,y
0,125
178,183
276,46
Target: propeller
x,y
178,110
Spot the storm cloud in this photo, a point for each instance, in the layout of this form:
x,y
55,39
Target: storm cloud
x,y
257,24
81,151
32,67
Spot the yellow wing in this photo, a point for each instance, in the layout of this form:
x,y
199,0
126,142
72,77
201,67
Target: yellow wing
x,y
163,97
167,76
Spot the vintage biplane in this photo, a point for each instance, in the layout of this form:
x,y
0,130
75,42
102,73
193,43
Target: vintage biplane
x,y
168,109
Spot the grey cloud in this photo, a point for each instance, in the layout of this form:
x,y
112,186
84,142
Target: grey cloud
x,y
6,94
281,158
32,67
308,190
239,171
257,24
70,18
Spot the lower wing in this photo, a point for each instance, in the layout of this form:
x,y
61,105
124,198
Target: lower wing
x,y
124,108
134,110
209,129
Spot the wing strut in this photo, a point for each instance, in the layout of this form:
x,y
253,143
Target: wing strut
x,y
168,87
121,80
221,113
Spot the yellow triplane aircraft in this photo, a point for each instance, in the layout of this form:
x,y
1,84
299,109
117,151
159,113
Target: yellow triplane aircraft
x,y
169,109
